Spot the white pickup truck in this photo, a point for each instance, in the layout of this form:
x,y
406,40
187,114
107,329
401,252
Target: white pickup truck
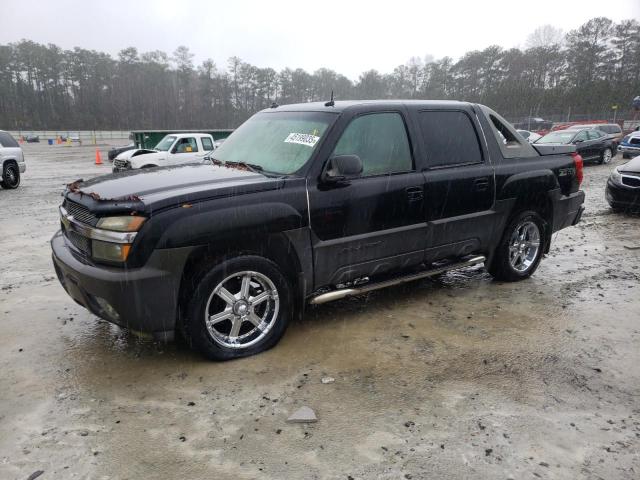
x,y
174,149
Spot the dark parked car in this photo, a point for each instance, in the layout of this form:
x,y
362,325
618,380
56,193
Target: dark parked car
x,y
533,124
591,143
32,139
115,151
312,203
612,130
623,186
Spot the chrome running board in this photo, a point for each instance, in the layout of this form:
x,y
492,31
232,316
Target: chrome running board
x,y
349,292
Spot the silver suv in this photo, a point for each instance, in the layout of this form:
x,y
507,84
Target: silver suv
x,y
11,160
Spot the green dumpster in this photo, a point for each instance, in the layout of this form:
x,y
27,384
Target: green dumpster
x,y
150,138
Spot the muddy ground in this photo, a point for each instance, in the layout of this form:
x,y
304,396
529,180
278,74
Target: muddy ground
x,y
458,377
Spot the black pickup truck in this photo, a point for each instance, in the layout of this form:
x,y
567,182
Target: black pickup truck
x,y
311,203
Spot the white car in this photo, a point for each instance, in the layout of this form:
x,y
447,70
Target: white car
x,y
173,149
529,136
11,161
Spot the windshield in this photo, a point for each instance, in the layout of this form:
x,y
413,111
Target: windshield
x,y
278,142
165,144
557,137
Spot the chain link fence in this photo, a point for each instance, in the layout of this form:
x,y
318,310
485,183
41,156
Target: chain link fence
x,y
84,136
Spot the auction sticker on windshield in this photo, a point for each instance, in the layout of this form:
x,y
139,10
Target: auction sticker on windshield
x,y
302,139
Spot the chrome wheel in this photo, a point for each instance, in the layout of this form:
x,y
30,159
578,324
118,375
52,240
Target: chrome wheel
x,y
524,246
11,176
606,156
243,318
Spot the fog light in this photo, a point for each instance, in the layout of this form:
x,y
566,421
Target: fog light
x,y
113,252
107,308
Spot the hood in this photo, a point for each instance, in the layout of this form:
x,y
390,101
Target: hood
x,y
146,156
134,153
153,189
631,166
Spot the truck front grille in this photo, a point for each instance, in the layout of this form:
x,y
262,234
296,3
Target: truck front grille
x,y
80,212
81,243
119,163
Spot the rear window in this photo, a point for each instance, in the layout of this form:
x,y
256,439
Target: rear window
x,y
7,140
610,128
207,144
449,138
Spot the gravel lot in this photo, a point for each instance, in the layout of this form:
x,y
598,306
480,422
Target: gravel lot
x,y
458,377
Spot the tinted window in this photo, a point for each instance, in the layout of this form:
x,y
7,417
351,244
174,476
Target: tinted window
x,y
450,138
610,128
7,140
186,145
207,144
380,140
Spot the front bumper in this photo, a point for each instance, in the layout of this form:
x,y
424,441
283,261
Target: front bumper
x,y
619,196
142,299
567,210
629,150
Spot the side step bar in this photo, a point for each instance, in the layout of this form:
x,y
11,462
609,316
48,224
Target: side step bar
x,y
349,292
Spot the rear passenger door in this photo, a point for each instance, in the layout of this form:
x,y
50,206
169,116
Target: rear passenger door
x,y
459,183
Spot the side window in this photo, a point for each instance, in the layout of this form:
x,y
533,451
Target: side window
x,y
581,136
380,140
186,145
7,140
595,134
207,144
449,138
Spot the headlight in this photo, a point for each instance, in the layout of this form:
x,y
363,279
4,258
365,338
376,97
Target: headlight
x,y
616,177
112,252
121,224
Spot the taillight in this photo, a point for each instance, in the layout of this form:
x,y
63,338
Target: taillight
x,y
579,163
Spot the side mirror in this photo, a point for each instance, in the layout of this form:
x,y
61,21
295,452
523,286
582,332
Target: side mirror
x,y
578,141
342,167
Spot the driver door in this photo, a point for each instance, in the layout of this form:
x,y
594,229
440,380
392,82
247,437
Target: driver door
x,y
184,151
373,223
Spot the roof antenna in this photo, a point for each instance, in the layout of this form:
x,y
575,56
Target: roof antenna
x,y
330,103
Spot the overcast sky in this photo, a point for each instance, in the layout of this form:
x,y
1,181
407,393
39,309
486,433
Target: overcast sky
x,y
347,36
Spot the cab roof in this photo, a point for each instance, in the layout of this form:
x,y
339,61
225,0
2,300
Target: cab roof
x,y
344,105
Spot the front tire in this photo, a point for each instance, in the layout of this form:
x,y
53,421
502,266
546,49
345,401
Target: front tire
x,y
519,252
241,307
10,176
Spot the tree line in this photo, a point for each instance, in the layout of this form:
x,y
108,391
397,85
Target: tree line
x,y
586,70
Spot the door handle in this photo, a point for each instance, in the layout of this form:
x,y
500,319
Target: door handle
x,y
414,194
481,184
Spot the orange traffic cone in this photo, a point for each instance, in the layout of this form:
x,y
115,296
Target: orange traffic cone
x,y
98,158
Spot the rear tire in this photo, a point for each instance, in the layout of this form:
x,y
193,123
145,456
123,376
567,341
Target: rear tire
x,y
519,252
606,156
241,307
10,176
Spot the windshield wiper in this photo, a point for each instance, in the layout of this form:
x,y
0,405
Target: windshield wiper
x,y
252,167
